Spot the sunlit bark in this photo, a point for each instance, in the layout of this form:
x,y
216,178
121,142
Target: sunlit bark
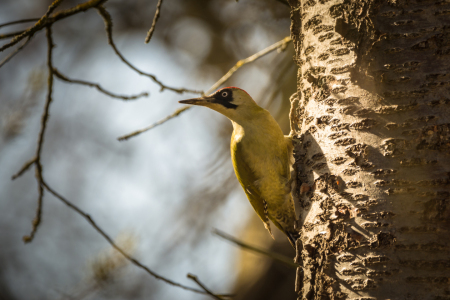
x,y
373,152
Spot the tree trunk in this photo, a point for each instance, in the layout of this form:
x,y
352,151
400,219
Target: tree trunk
x,y
373,148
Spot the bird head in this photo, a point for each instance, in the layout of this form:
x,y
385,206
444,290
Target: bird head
x,y
232,102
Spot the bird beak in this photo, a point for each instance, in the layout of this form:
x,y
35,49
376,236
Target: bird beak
x,y
203,101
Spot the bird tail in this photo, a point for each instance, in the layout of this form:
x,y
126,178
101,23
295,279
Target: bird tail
x,y
292,237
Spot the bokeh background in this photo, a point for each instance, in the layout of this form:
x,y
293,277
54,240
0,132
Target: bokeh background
x,y
159,194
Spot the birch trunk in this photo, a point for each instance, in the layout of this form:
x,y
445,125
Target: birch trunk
x,y
372,112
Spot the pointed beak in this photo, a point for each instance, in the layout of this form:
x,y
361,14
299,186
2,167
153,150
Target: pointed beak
x,y
203,101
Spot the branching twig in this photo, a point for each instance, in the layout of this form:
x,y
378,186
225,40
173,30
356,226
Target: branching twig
x,y
114,245
194,278
52,7
12,54
278,45
108,27
155,19
276,256
37,159
97,86
42,184
44,22
173,115
111,242
47,20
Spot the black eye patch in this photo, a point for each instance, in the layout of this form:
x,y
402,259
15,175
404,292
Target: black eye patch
x,y
225,97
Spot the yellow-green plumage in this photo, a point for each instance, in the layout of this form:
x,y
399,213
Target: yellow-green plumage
x,y
260,158
260,154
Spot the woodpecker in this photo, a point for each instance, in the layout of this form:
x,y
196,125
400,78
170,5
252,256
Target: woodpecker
x,y
260,154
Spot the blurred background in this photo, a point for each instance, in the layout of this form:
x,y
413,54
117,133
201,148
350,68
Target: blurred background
x,y
159,194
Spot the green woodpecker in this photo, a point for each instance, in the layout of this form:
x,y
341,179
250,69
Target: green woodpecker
x,y
260,154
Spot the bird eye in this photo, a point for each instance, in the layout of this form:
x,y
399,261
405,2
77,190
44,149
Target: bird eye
x,y
224,94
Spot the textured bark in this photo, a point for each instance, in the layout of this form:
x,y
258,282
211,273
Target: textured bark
x,y
373,148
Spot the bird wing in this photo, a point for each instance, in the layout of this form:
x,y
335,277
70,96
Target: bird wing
x,y
249,182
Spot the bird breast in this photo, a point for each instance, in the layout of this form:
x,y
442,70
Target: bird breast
x,y
266,154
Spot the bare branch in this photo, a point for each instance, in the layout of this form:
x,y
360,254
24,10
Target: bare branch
x,y
111,242
155,19
275,256
108,27
25,33
280,45
44,119
49,93
97,86
42,184
47,20
19,22
12,54
194,278
173,115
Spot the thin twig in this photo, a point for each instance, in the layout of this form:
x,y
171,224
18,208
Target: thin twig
x,y
276,256
97,86
111,242
37,161
19,22
22,34
52,7
48,20
12,54
194,278
44,21
24,168
9,35
278,45
45,115
173,115
108,27
155,19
